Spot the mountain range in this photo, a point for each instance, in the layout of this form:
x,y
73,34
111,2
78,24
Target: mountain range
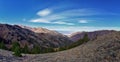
x,y
32,36
104,48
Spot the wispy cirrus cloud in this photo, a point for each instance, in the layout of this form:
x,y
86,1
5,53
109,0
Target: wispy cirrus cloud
x,y
84,12
83,21
44,12
50,22
51,17
56,17
61,22
40,20
72,29
79,12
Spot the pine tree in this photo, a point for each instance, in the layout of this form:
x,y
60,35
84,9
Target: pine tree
x,y
36,50
85,38
49,50
2,45
25,49
64,48
17,51
14,45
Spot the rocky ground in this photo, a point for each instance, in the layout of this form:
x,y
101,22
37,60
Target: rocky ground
x,y
105,48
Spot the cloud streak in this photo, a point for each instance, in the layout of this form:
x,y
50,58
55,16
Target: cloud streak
x,y
40,20
64,17
83,21
50,22
72,29
55,18
61,22
44,12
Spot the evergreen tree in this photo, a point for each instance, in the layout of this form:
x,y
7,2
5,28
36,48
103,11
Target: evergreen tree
x,y
25,49
49,50
64,48
36,50
14,45
2,45
17,51
85,38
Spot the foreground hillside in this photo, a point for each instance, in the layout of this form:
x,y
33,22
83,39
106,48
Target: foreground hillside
x,y
105,48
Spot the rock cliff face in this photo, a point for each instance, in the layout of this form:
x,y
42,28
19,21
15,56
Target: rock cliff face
x,y
105,48
32,36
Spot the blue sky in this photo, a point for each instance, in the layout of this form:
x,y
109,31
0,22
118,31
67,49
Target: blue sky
x,y
65,16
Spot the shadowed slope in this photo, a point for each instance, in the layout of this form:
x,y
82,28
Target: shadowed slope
x,y
48,38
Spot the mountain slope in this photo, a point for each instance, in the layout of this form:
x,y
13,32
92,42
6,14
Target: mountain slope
x,y
105,48
11,33
92,35
50,35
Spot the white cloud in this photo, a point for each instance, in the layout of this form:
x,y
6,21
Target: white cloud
x,y
57,17
65,17
61,22
83,12
72,29
40,20
44,12
51,19
83,21
80,12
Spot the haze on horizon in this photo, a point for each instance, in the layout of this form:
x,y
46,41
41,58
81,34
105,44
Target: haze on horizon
x,y
65,16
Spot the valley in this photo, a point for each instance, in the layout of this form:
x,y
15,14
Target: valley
x,y
103,49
